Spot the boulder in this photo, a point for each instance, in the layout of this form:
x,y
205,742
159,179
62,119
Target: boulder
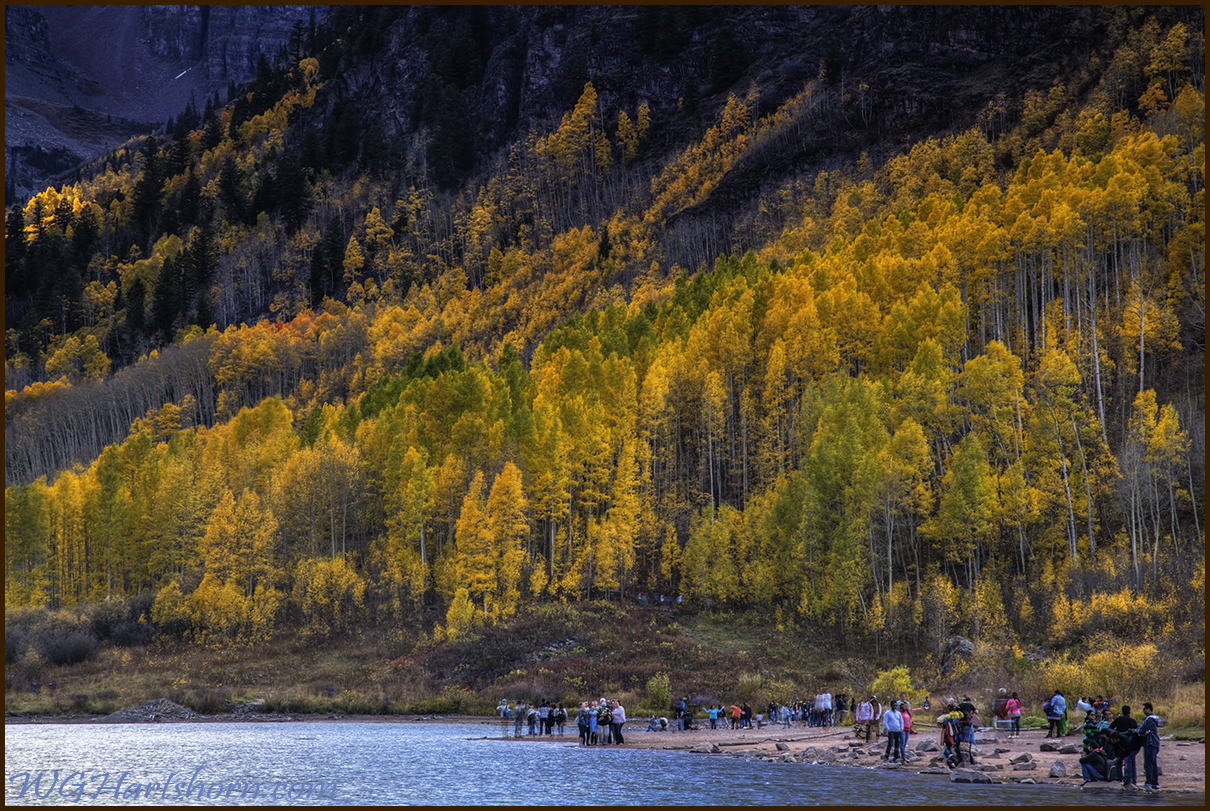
x,y
1049,746
986,739
934,770
1026,766
987,767
1058,769
928,745
968,776
956,650
1070,749
810,753
829,756
1022,757
782,747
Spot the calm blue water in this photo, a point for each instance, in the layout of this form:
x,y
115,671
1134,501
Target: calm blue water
x,y
352,763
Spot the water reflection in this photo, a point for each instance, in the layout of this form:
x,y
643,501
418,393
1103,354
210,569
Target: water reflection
x,y
353,763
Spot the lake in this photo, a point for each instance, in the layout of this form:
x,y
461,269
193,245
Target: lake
x,y
361,763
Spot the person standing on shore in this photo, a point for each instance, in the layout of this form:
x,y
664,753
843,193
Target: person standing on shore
x,y
865,715
544,718
908,729
1055,709
892,722
1124,726
966,727
618,713
592,725
1150,730
1012,708
582,722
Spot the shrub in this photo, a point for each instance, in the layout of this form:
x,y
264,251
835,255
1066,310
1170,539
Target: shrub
x,y
748,688
170,612
659,693
1128,673
104,617
888,685
129,634
67,646
16,643
206,701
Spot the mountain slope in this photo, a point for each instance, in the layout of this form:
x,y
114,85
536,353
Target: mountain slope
x,y
958,385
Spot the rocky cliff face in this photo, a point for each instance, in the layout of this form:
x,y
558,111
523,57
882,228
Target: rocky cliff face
x,y
80,79
227,41
915,67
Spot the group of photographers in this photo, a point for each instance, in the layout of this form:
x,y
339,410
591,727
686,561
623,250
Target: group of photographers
x,y
1111,745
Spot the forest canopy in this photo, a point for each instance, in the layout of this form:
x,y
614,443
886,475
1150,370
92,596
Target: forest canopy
x,y
960,391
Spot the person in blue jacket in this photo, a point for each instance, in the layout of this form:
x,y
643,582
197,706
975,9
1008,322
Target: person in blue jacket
x,y
1150,730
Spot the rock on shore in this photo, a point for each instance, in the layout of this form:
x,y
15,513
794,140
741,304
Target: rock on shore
x,y
160,709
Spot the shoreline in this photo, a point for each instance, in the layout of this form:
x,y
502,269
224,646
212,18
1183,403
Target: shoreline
x,y
1183,763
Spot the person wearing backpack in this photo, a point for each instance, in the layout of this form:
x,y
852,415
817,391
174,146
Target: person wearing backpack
x,y
1055,709
1124,727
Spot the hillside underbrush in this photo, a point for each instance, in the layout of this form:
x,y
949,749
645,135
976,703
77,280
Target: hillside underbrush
x,y
561,653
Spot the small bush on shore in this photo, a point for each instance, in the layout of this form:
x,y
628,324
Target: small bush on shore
x,y
659,693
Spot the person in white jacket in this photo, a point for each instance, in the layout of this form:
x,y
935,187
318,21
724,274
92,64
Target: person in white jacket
x,y
865,715
618,716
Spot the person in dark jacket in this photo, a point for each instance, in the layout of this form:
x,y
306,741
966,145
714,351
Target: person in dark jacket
x,y
1123,727
1094,766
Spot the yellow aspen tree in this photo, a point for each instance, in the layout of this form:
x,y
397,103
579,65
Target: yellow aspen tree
x,y
476,561
643,121
1166,451
461,617
992,386
623,515
550,488
628,138
354,261
330,594
507,528
1019,509
26,530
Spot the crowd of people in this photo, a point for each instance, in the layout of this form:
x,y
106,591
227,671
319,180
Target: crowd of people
x,y
824,711
1110,743
598,723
